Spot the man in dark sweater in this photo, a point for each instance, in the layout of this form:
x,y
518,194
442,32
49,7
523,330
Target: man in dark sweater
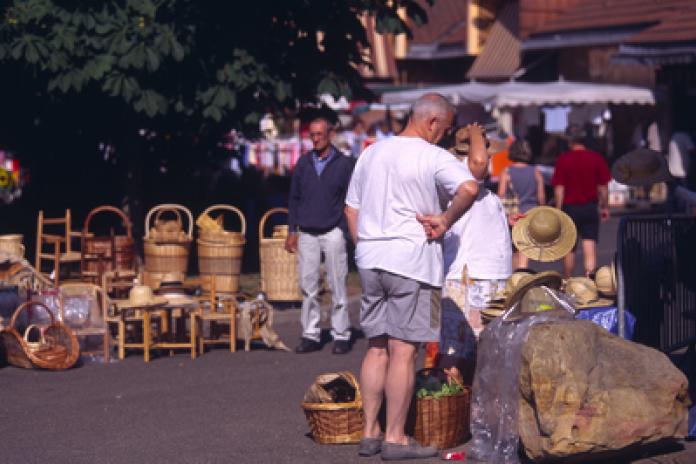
x,y
317,198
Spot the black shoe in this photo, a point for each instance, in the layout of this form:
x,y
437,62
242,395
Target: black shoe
x,y
307,346
341,347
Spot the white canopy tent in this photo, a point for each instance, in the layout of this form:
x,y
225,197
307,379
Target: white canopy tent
x,y
513,94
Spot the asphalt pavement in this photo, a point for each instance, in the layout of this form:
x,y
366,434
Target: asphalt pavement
x,y
223,407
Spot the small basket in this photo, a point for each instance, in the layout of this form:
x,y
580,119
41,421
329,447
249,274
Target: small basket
x,y
220,254
167,254
280,279
336,423
443,422
59,348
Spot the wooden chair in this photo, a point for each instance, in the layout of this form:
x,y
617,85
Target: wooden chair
x,y
95,321
56,246
207,313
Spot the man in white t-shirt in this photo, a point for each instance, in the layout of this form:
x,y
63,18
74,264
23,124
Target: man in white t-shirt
x,y
394,216
475,270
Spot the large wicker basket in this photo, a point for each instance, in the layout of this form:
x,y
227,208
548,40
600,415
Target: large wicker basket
x,y
61,351
443,422
166,255
109,252
220,254
336,423
279,274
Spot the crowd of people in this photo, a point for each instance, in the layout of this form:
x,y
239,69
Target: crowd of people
x,y
432,246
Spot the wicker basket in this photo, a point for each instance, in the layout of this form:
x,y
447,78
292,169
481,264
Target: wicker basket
x,y
220,254
107,253
60,351
443,422
336,423
163,256
280,279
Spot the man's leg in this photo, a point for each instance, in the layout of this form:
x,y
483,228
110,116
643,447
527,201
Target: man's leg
x,y
589,254
373,374
398,388
309,255
333,244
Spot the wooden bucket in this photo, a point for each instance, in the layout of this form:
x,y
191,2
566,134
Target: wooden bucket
x,y
164,256
280,279
12,245
107,253
220,254
61,349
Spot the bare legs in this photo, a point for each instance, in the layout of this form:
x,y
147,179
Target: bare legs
x,y
519,260
388,370
589,255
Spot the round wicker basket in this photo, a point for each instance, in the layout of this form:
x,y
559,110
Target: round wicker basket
x,y
336,423
279,275
57,350
167,256
443,422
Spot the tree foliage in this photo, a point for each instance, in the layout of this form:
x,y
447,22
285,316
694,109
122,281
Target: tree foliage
x,y
192,60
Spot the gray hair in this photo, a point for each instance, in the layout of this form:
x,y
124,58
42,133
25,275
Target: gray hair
x,y
429,105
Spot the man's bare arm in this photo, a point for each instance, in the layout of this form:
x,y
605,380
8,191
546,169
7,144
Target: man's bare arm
x,y
558,192
435,226
352,220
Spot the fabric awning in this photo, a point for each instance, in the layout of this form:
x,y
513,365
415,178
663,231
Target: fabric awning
x,y
512,94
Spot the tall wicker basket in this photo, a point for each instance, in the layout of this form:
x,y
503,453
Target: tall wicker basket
x,y
108,252
280,278
166,256
220,254
333,423
61,349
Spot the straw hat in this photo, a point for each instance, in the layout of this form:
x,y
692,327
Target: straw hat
x,y
641,167
544,234
462,145
585,293
551,279
141,296
605,280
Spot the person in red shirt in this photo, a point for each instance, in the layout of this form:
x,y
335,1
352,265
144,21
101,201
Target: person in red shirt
x,y
580,182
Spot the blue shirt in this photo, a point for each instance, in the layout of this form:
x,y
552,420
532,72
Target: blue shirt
x,y
320,164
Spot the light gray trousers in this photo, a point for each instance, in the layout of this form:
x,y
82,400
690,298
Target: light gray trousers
x,y
310,248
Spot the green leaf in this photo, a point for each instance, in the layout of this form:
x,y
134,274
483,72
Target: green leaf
x,y
177,50
153,60
31,54
213,113
328,85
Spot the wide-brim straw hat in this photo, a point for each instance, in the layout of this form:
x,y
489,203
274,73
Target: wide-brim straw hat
x,y
461,143
641,167
605,280
550,279
585,293
544,234
141,296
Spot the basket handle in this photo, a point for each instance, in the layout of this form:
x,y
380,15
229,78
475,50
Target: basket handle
x,y
265,217
358,395
28,330
106,208
169,207
229,208
28,304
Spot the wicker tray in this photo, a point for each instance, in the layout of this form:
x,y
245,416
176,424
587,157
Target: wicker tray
x,y
336,423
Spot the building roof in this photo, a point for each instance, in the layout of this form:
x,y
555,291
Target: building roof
x,y
500,57
602,14
445,33
676,27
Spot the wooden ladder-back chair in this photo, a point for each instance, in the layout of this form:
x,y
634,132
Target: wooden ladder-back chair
x,y
57,245
89,314
208,312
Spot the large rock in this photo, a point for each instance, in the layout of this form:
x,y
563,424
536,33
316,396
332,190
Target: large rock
x,y
585,392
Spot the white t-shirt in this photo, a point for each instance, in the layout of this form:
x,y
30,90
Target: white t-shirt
x,y
394,180
481,240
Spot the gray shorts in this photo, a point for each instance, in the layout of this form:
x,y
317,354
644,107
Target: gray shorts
x,y
399,307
